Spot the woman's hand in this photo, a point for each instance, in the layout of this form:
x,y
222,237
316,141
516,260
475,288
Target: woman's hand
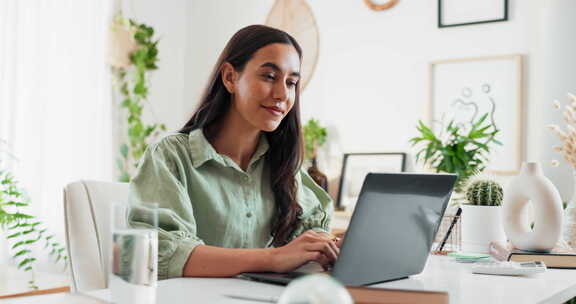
x,y
339,239
309,246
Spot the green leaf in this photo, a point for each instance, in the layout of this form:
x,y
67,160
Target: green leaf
x,y
26,262
479,122
28,231
140,89
14,235
125,178
21,252
124,150
126,103
18,244
120,164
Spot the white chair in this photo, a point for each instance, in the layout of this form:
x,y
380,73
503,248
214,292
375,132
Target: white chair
x,y
87,212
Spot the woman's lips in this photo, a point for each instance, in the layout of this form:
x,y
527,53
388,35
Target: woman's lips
x,y
273,111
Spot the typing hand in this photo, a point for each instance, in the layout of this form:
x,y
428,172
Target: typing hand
x,y
309,246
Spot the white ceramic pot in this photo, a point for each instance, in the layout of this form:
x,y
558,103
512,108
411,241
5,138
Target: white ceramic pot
x,y
531,186
480,226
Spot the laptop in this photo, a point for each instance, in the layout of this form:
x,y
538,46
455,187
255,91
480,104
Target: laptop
x,y
391,230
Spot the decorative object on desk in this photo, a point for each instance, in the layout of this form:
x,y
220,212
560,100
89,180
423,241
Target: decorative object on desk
x,y
482,215
24,230
314,138
462,89
356,166
449,235
568,150
463,257
458,13
315,289
135,41
378,5
562,257
532,186
134,253
460,148
296,18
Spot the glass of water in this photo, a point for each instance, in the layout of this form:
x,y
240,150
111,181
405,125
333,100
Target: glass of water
x,y
134,253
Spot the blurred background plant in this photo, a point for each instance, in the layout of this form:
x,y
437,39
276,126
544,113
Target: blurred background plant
x,y
23,230
314,137
567,138
133,53
459,148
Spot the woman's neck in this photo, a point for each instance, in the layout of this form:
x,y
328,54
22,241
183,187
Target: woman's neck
x,y
236,138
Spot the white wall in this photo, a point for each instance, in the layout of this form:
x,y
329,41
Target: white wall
x,y
371,81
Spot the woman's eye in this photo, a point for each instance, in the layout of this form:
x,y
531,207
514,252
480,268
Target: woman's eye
x,y
292,83
270,76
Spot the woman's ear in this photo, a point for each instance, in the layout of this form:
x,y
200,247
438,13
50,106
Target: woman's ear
x,y
229,76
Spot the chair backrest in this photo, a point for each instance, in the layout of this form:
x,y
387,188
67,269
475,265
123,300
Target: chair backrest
x,y
87,212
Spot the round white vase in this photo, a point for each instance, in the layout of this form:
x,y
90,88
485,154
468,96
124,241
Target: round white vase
x,y
480,226
531,186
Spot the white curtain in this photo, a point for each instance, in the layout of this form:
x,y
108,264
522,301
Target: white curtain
x,y
55,99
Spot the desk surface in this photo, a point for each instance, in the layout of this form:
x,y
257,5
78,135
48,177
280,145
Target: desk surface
x,y
440,274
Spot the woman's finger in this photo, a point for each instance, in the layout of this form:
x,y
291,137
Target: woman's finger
x,y
324,247
323,261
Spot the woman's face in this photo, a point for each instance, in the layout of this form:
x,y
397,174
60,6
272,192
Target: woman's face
x,y
265,91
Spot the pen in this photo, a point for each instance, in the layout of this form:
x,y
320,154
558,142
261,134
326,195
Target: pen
x,y
256,298
456,217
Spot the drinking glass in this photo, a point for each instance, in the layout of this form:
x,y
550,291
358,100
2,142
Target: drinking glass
x,y
134,253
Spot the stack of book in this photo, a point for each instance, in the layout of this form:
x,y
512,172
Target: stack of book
x,y
559,258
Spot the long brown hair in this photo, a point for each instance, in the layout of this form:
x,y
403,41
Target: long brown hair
x,y
284,156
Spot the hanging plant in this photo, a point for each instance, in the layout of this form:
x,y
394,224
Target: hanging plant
x,y
133,54
24,230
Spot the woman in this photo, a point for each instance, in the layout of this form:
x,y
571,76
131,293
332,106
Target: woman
x,y
232,196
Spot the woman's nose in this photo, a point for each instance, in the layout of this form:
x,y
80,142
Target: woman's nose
x,y
280,92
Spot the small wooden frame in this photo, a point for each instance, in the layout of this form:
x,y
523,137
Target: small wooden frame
x,y
356,166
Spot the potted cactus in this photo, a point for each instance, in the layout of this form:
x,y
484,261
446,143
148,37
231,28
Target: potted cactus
x,y
481,215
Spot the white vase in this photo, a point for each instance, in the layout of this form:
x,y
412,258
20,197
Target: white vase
x,y
480,226
531,186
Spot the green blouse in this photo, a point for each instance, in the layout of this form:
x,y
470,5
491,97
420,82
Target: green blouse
x,y
206,198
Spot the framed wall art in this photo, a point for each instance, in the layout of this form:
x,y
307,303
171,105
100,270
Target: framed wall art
x,y
355,167
464,89
468,12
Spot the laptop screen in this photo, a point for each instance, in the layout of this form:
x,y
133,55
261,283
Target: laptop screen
x,y
393,226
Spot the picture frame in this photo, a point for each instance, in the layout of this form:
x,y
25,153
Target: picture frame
x,y
355,167
469,12
465,87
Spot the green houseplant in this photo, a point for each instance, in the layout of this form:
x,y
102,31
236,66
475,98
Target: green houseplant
x,y
134,54
481,215
314,138
23,230
484,192
460,148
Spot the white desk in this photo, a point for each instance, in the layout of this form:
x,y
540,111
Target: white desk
x,y
440,274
